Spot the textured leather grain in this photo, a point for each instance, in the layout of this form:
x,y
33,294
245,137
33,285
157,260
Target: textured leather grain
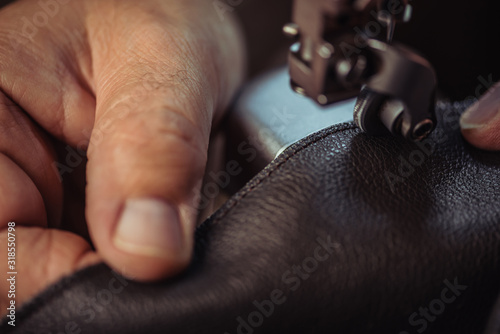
x,y
343,233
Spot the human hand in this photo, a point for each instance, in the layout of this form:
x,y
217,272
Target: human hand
x,y
132,86
481,122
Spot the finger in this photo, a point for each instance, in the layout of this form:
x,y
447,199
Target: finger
x,y
481,122
43,256
31,157
156,102
46,66
20,200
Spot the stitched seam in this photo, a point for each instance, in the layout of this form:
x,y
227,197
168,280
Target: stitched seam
x,y
36,305
330,131
247,191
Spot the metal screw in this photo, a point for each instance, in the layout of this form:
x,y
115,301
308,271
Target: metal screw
x,y
297,89
322,99
291,30
351,70
326,50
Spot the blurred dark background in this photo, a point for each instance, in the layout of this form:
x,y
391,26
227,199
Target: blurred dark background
x,y
459,37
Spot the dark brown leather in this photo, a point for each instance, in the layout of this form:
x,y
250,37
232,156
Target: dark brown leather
x,y
371,252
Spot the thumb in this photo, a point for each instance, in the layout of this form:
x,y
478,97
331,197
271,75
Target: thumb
x,y
147,157
146,161
141,194
481,122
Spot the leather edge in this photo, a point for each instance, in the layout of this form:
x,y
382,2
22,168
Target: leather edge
x,y
54,290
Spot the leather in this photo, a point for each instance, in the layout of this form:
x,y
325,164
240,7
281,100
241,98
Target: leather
x,y
371,252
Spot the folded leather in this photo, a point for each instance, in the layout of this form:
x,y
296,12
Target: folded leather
x,y
343,233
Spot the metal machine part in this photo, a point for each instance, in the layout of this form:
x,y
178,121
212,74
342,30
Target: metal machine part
x,y
268,117
339,52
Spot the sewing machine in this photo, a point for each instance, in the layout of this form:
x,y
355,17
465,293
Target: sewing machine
x,y
338,54
345,61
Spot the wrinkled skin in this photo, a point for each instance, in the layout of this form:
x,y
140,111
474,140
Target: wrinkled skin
x,y
133,87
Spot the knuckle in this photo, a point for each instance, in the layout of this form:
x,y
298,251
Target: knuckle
x,y
160,153
153,134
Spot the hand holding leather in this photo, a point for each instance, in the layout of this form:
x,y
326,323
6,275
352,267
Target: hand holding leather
x,y
321,242
106,108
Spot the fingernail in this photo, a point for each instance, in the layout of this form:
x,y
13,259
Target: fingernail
x,y
483,111
149,227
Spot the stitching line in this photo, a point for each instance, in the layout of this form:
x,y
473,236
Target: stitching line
x,y
265,176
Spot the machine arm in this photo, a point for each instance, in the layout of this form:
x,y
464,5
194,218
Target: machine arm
x,y
339,53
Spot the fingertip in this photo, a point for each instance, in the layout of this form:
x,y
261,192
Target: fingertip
x,y
485,138
149,241
480,123
148,269
484,135
150,230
